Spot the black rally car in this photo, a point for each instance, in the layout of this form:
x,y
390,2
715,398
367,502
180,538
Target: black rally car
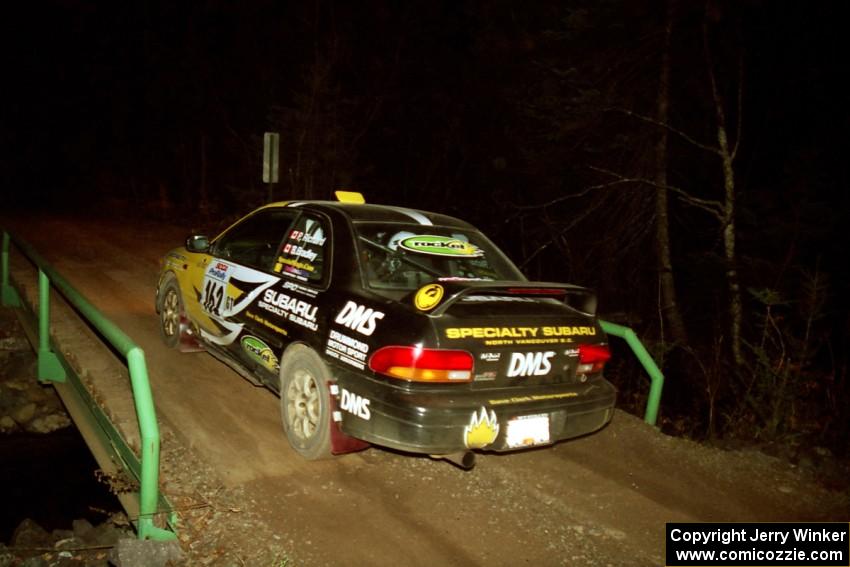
x,y
385,325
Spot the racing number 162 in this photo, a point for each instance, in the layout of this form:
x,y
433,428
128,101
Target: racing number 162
x,y
213,296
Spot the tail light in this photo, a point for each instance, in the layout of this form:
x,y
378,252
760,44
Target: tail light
x,y
423,364
592,358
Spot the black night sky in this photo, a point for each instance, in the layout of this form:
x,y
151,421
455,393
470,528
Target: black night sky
x,y
538,122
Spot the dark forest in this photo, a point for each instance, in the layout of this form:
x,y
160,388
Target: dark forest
x,y
683,158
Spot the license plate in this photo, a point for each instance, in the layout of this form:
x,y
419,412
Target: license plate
x,y
528,430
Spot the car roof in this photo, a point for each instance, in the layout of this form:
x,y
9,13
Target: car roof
x,y
380,213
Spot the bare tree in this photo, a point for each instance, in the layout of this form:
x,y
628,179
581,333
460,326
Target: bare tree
x,y
671,314
723,210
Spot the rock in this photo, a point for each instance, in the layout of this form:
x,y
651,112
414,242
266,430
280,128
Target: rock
x,y
49,423
106,533
6,556
6,424
19,385
14,343
24,413
81,528
145,553
30,534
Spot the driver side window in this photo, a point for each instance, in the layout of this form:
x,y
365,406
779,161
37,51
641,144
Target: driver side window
x,y
254,241
304,250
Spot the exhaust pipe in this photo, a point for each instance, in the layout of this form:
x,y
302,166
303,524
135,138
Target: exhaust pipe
x,y
464,460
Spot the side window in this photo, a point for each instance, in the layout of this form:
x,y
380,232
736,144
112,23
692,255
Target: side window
x,y
254,241
304,252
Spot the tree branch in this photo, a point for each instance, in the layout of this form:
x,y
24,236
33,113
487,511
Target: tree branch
x,y
708,205
740,106
650,120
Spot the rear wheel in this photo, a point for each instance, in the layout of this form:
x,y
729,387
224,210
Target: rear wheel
x,y
305,403
170,312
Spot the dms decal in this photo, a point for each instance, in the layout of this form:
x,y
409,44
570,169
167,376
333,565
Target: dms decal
x,y
359,318
356,405
482,429
530,363
291,308
349,350
260,352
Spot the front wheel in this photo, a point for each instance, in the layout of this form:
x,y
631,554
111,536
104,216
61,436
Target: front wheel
x,y
170,312
305,403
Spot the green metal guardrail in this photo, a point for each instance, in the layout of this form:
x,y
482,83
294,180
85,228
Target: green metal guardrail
x,y
51,368
655,375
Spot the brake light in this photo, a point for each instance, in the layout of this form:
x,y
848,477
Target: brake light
x,y
592,358
423,364
536,291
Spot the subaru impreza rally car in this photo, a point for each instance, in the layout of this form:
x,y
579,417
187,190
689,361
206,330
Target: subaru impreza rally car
x,y
389,326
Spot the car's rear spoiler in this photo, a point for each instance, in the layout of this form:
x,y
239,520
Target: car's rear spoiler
x,y
576,297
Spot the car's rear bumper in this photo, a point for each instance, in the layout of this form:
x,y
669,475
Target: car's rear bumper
x,y
437,421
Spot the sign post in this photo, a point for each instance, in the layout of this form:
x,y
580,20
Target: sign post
x,y
271,160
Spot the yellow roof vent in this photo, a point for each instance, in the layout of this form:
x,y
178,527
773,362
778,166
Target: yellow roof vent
x,y
350,197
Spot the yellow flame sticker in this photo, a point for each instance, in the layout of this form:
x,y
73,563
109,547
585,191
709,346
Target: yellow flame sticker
x,y
428,297
482,429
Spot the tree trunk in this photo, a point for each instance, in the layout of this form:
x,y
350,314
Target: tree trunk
x,y
671,315
736,308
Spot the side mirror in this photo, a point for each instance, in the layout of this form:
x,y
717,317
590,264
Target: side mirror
x,y
197,243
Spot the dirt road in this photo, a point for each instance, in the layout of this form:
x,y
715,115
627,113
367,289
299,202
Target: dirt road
x,y
599,500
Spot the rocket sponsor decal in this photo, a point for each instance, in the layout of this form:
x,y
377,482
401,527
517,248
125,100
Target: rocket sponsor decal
x,y
260,352
440,246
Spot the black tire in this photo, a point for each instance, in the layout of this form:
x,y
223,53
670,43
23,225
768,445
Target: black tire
x,y
171,311
305,403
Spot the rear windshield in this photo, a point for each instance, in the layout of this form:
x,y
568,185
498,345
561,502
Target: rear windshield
x,y
402,257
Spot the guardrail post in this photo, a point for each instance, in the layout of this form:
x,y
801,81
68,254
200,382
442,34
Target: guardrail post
x,y
49,367
7,293
149,430
655,375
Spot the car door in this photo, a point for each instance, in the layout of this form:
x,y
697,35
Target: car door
x,y
237,273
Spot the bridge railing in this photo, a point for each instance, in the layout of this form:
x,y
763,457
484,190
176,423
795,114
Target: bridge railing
x,y
52,367
645,359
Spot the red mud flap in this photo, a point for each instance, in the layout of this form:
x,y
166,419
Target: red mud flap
x,y
340,442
